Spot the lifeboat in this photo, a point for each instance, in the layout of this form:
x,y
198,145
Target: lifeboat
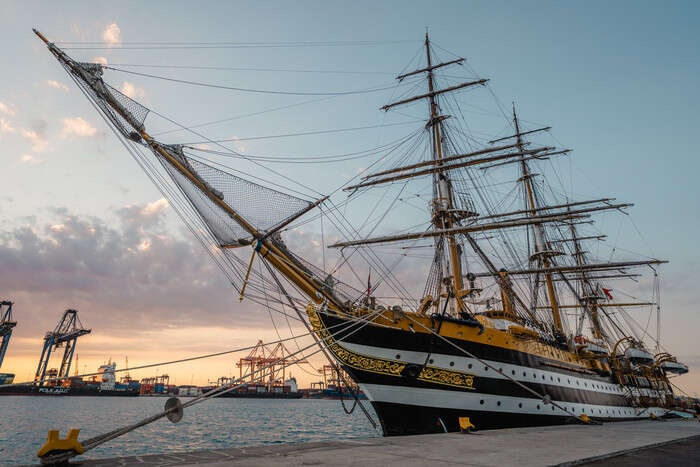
x,y
639,356
674,367
594,346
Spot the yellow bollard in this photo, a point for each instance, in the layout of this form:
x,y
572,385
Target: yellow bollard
x,y
54,443
465,425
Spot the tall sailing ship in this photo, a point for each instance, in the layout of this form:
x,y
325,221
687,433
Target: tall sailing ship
x,y
506,317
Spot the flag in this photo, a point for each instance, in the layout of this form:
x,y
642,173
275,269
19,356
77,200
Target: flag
x,y
607,292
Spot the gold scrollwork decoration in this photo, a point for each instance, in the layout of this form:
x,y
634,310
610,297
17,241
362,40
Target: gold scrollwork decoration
x,y
384,366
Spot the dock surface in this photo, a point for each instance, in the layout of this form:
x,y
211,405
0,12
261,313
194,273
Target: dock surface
x,y
670,442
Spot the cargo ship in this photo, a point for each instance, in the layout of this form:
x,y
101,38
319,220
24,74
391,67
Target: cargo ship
x,y
104,384
261,390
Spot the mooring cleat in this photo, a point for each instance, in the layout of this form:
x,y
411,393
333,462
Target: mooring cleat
x,y
465,425
56,445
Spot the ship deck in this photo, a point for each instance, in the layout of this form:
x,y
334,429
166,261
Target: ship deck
x,y
670,442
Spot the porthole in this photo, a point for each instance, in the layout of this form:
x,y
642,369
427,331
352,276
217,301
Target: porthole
x,y
500,370
430,361
543,377
568,381
524,374
498,403
577,383
513,372
538,407
558,379
398,356
552,408
520,405
469,366
481,402
452,363
534,376
551,378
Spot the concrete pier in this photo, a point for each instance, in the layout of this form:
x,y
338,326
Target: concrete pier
x,y
650,442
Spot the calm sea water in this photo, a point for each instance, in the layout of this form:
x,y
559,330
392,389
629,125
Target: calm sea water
x,y
213,424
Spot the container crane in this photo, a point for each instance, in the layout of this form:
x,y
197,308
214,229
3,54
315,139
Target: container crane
x,y
263,360
67,331
6,326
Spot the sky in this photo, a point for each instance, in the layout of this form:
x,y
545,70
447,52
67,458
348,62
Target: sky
x,y
83,227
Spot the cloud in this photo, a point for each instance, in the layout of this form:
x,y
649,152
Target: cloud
x,y
132,91
100,60
76,127
6,126
130,275
155,207
29,159
5,109
55,84
112,34
39,144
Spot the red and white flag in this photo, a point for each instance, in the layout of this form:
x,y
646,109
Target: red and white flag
x,y
607,292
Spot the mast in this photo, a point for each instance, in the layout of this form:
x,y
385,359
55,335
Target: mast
x,y
589,294
541,253
444,202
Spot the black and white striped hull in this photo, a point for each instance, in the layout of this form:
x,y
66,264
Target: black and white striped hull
x,y
458,386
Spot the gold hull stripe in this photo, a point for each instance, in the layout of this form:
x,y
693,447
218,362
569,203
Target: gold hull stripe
x,y
384,366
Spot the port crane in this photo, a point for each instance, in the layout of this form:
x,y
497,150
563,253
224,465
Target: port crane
x,y
67,331
262,359
335,377
6,326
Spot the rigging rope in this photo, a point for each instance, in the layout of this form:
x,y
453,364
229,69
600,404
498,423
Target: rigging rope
x,y
307,133
256,91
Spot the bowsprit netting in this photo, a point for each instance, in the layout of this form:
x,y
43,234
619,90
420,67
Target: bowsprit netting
x,y
262,207
106,97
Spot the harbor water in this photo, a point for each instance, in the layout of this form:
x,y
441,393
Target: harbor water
x,y
213,424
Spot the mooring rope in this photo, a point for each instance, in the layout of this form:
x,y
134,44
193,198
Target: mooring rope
x,y
216,392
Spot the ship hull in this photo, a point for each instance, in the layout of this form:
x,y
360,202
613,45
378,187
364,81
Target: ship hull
x,y
262,395
63,392
420,384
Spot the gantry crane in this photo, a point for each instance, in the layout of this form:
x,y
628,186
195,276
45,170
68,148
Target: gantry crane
x,y
262,361
6,326
67,331
334,376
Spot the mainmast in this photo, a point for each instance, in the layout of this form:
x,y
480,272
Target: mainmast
x,y
542,253
443,204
